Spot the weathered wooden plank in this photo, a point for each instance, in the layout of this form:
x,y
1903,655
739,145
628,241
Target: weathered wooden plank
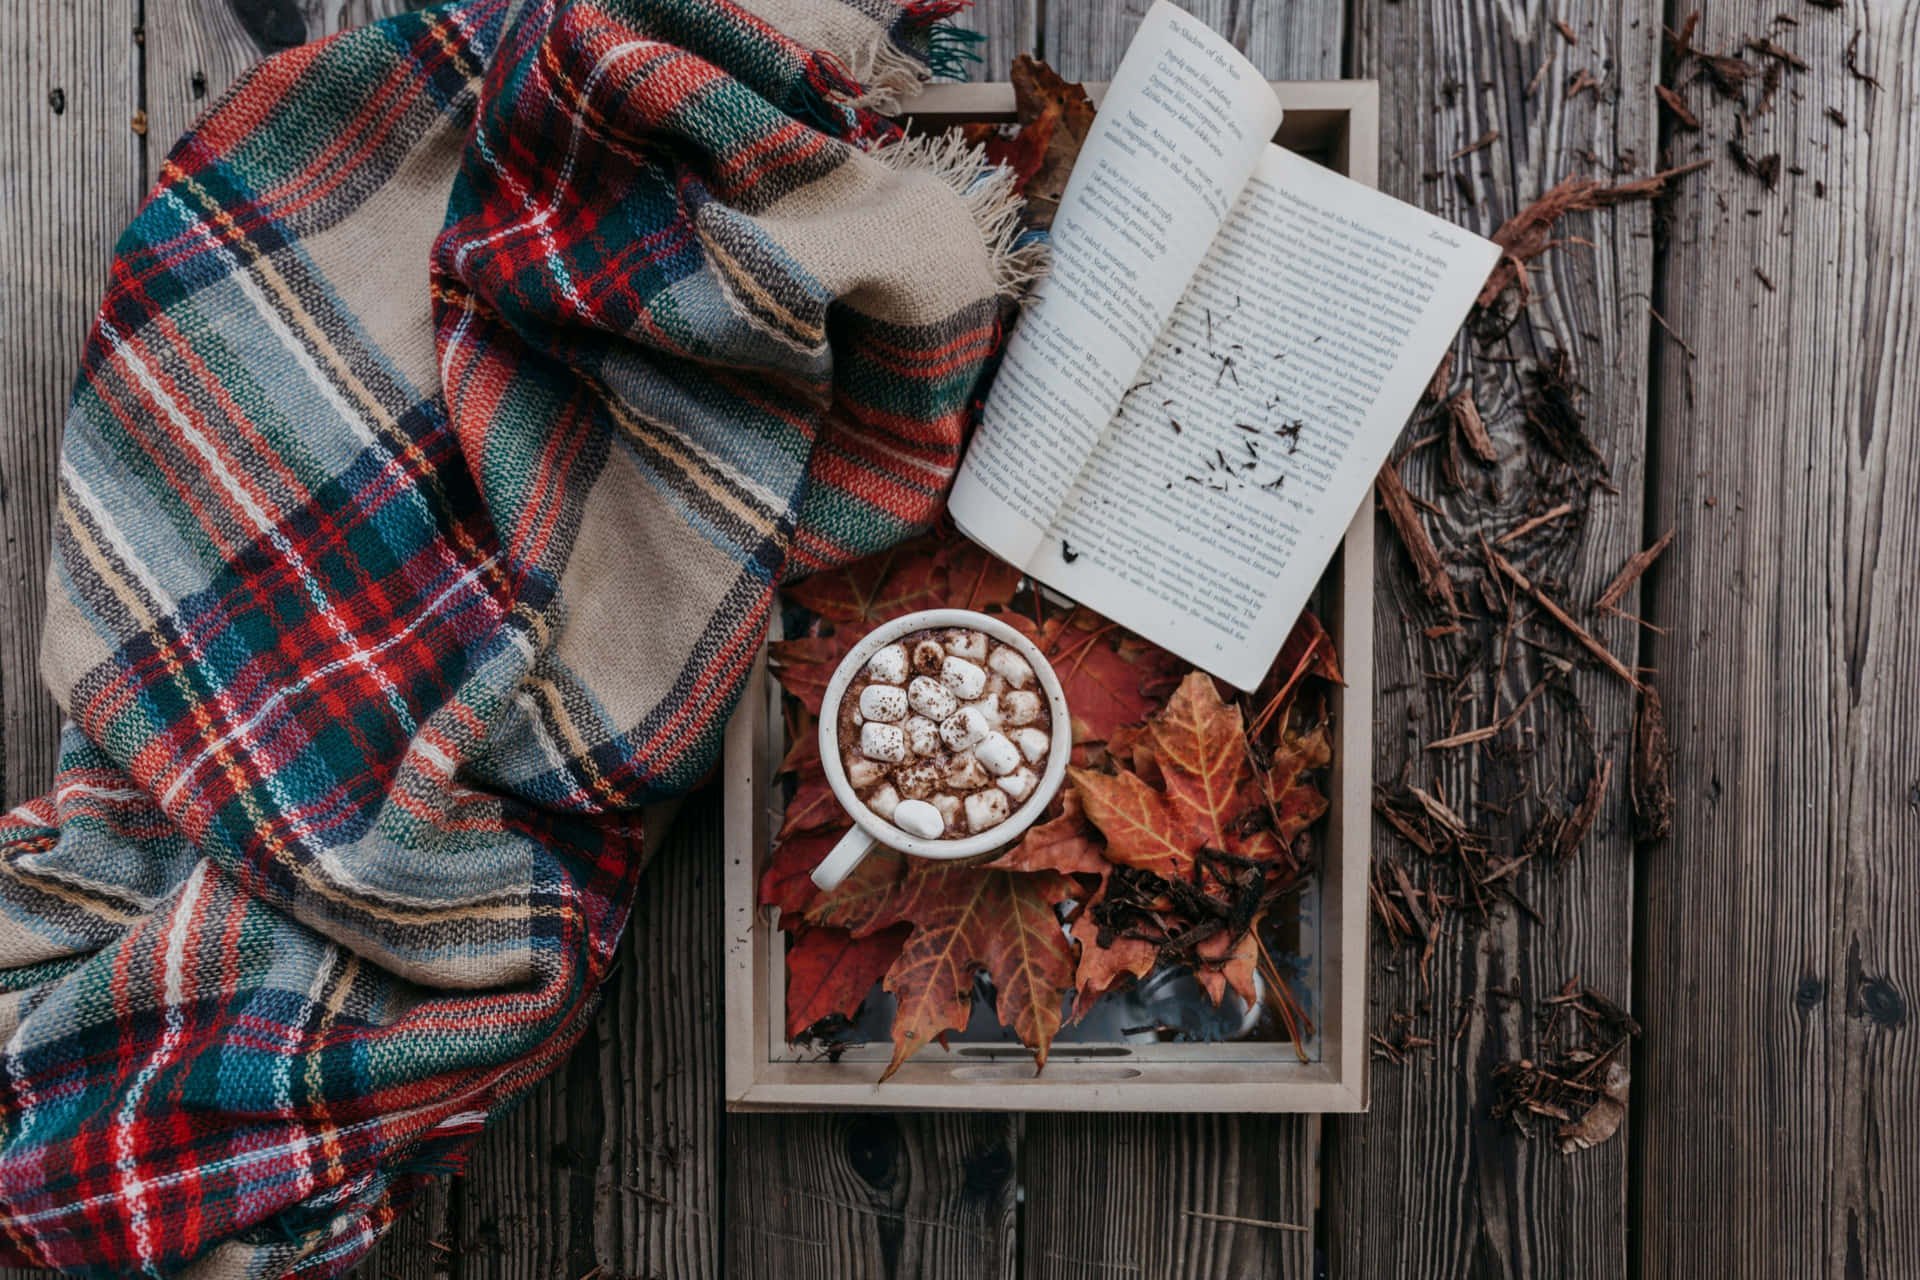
x,y
1155,1196
1780,953
1427,1183
613,1163
72,179
871,1194
417,1246
1291,40
1012,28
1116,1194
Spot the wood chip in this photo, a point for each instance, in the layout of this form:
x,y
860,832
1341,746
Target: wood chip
x,y
1442,375
1768,49
1583,82
1561,616
1602,1119
1677,107
1764,279
1526,527
1465,415
1413,535
1566,32
1581,820
1651,784
1630,572
1529,233
1485,140
1853,63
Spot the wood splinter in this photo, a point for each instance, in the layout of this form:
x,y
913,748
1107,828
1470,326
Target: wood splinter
x,y
1413,535
1561,616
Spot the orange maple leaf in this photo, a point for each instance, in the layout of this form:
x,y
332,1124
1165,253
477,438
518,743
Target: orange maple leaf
x,y
872,590
1206,788
1063,843
966,919
1101,969
1219,965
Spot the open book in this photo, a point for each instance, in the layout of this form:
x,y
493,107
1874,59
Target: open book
x,y
1227,345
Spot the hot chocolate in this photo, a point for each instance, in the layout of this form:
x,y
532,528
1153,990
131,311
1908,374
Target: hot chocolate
x,y
945,732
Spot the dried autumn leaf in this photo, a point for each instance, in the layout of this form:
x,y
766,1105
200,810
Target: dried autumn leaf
x,y
870,591
1602,1119
1307,652
967,919
803,756
805,664
1039,93
786,881
976,578
1219,967
1102,968
1296,802
813,807
1063,843
1142,829
830,971
1023,151
1105,687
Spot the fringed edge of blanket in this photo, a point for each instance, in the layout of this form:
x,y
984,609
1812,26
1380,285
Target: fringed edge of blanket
x,y
1017,257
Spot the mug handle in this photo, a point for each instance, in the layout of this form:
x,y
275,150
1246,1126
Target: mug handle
x,y
838,865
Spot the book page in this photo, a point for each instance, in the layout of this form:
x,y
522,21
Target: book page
x,y
1205,517
1179,130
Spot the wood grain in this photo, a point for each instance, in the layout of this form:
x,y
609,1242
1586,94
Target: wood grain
x,y
1427,1183
862,1195
1149,1196
1292,40
1780,945
72,178
1011,27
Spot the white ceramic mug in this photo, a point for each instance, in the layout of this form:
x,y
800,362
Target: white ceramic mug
x,y
869,828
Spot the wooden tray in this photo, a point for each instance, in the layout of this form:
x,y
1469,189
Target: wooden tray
x,y
1336,123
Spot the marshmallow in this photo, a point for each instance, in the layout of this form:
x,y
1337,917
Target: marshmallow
x,y
889,666
1019,784
883,742
961,729
987,809
884,801
966,680
927,657
998,755
1033,744
930,698
971,645
923,736
949,806
1022,706
886,703
1008,664
989,709
918,780
863,773
965,773
918,818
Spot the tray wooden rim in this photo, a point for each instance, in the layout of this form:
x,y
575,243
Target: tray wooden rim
x,y
1340,119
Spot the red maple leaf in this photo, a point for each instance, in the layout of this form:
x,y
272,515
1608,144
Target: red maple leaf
x,y
786,881
965,919
805,664
877,588
830,971
1110,677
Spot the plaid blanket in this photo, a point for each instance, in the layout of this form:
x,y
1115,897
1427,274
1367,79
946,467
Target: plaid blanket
x,y
464,389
